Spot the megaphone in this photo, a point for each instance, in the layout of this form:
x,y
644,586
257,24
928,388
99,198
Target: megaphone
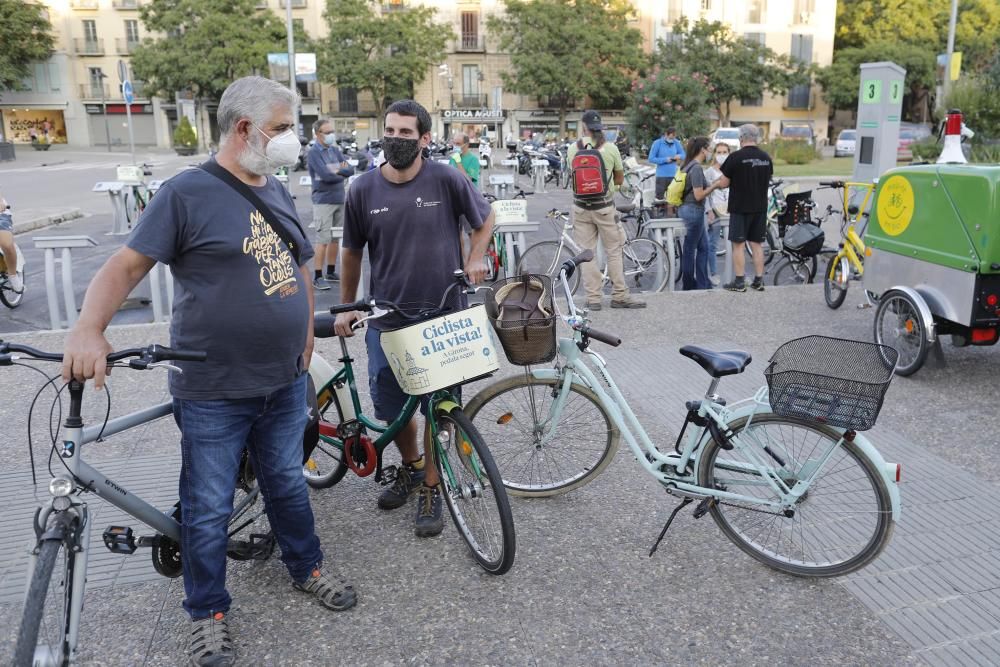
x,y
952,151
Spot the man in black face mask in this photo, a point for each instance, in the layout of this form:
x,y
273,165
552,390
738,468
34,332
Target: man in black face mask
x,y
407,213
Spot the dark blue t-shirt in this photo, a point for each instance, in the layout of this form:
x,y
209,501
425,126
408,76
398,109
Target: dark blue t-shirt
x,y
412,231
240,297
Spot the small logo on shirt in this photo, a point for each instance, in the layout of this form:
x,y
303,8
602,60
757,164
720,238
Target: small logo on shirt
x,y
426,204
376,211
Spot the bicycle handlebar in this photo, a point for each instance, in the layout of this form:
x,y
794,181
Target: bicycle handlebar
x,y
569,266
831,184
148,355
373,306
610,339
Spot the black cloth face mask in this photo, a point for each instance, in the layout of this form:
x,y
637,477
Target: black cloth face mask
x,y
399,152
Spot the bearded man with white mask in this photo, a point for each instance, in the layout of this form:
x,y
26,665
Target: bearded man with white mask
x,y
244,297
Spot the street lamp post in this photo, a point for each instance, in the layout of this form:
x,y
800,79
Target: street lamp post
x,y
950,53
104,104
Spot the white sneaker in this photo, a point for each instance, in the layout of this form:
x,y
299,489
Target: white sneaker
x,y
16,283
715,279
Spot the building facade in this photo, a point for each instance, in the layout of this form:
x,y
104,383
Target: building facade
x,y
76,96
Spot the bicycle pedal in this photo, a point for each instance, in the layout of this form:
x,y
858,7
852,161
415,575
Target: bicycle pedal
x,y
703,507
120,540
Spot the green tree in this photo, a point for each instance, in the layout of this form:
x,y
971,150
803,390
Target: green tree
x,y
385,54
735,68
669,96
184,134
566,50
205,45
25,37
841,79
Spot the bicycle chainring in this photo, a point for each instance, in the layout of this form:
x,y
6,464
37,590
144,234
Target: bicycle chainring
x,y
166,553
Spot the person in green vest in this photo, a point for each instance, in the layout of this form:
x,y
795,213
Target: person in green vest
x,y
464,159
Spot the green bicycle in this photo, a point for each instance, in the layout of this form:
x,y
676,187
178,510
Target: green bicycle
x,y
346,439
785,473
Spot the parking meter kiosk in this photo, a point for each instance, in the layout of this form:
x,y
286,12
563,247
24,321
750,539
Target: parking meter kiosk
x,y
880,101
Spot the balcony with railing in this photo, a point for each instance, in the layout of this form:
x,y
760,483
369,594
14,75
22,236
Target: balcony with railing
x,y
89,47
125,4
94,91
84,4
126,46
470,43
469,101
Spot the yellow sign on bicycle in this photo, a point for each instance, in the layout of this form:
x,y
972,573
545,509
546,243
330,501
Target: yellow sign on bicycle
x,y
895,205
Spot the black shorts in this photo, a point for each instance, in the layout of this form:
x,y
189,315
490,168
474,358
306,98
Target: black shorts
x,y
747,227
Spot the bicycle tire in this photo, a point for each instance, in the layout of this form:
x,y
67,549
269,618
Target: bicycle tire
x,y
712,476
8,296
472,464
794,272
835,281
489,410
646,266
909,337
678,258
34,618
326,465
546,257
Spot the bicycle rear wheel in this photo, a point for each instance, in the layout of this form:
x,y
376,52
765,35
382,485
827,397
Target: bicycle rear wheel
x,y
514,415
835,281
42,637
546,257
842,522
646,265
8,296
474,491
793,271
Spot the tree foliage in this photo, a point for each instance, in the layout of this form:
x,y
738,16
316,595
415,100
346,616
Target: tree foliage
x,y
184,134
669,96
980,107
384,54
735,68
25,37
842,79
567,50
205,45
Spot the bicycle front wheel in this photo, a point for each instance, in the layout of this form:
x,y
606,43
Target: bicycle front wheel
x,y
515,415
646,266
474,492
840,524
835,281
42,638
546,257
8,296
794,272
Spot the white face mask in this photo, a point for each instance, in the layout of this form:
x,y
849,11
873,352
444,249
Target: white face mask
x,y
721,157
282,150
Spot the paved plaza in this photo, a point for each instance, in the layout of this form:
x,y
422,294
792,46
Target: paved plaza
x,y
582,589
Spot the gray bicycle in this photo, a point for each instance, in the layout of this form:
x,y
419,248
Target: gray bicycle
x,y
57,573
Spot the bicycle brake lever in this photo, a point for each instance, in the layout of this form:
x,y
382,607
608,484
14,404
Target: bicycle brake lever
x,y
165,364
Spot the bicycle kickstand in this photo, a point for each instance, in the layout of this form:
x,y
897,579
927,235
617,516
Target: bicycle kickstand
x,y
684,503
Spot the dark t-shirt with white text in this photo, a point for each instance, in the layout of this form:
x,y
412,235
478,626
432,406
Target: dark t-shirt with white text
x,y
749,172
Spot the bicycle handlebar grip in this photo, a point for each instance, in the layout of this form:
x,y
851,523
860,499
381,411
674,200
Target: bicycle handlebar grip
x,y
831,184
351,307
186,355
6,360
610,339
569,266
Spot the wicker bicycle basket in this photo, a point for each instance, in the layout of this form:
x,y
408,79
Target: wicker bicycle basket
x,y
830,380
524,318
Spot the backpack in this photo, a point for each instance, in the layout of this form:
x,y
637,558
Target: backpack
x,y
590,177
677,188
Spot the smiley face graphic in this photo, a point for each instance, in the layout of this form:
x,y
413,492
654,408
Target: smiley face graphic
x,y
895,205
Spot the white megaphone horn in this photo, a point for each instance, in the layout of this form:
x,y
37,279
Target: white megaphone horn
x,y
953,130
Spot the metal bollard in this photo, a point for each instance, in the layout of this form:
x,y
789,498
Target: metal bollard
x,y
64,243
162,312
115,189
539,169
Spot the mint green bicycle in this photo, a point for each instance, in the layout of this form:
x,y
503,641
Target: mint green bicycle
x,y
785,473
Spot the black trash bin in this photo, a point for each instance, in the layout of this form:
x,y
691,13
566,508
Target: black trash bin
x,y
6,151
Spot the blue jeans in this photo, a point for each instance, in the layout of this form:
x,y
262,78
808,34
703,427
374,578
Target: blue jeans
x,y
713,247
694,261
213,436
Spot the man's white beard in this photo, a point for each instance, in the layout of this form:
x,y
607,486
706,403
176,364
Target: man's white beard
x,y
252,158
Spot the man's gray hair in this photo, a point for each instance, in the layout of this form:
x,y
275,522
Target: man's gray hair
x,y
320,123
749,132
252,97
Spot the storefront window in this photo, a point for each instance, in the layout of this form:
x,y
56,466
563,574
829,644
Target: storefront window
x,y
43,125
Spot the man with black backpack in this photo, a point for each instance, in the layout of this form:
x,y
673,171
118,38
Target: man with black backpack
x,y
596,172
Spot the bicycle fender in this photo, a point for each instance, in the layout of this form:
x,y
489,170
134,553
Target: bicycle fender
x,y
448,406
320,370
921,303
886,469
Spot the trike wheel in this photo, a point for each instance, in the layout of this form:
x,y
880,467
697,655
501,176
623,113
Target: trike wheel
x,y
899,325
513,414
474,491
841,523
835,281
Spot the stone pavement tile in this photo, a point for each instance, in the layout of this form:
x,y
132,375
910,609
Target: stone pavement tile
x,y
979,652
934,623
904,588
971,574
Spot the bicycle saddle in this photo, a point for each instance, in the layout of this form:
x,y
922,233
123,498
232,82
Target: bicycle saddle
x,y
625,208
717,364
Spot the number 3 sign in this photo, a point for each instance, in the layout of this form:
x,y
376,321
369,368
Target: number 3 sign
x,y
871,91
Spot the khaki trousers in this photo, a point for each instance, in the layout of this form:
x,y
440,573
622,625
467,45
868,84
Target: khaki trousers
x,y
588,226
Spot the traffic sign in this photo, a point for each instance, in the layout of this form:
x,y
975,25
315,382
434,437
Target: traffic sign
x,y
127,92
122,71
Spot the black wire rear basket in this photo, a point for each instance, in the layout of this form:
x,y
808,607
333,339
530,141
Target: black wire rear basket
x,y
524,318
830,380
